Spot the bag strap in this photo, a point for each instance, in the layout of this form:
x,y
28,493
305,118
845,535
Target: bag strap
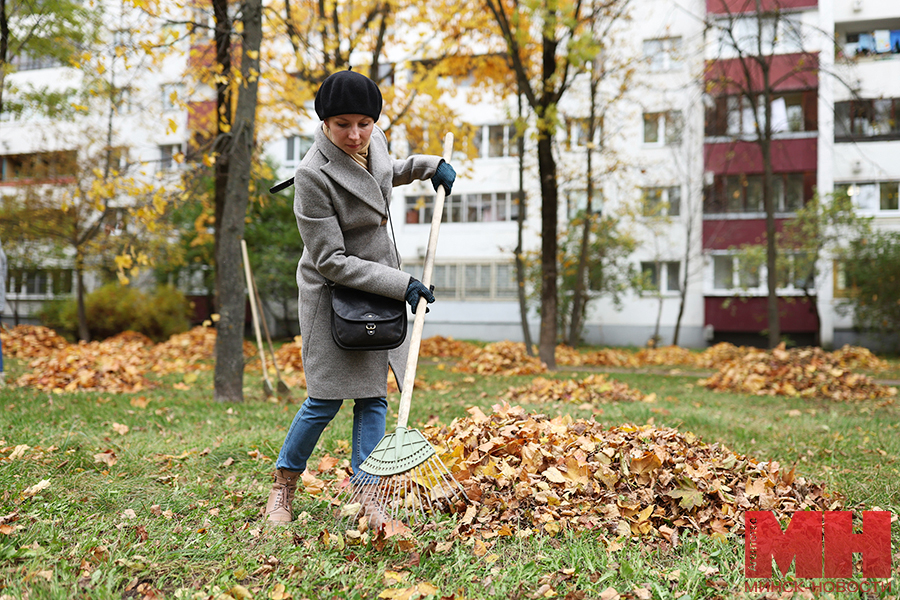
x,y
282,185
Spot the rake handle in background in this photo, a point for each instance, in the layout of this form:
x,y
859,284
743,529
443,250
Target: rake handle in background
x,y
412,360
262,353
282,386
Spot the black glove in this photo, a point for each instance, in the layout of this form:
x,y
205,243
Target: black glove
x,y
417,288
444,175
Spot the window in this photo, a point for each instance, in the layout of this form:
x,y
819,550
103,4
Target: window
x,y
730,272
735,117
662,275
841,287
663,128
27,62
171,96
883,195
744,193
39,166
578,132
663,54
297,147
879,41
494,141
169,156
888,196
40,282
742,35
576,202
465,208
867,119
661,201
475,281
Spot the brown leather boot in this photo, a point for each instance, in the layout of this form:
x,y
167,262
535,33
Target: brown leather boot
x,y
278,508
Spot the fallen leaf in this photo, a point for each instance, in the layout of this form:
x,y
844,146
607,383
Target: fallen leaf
x,y
119,428
609,593
107,457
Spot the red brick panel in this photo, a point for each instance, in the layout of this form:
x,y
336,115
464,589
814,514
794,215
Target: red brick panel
x,y
787,73
728,233
788,156
750,314
733,7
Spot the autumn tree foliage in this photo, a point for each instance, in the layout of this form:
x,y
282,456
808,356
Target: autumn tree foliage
x,y
547,43
80,185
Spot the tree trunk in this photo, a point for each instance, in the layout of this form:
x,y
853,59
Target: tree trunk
x,y
223,125
774,325
578,298
84,333
520,226
549,245
656,340
4,48
229,373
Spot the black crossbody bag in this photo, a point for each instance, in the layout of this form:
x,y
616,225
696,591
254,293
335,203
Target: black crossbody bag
x,y
366,321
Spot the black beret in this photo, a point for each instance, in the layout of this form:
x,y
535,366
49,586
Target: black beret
x,y
348,93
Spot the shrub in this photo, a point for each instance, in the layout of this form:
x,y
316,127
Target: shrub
x,y
113,308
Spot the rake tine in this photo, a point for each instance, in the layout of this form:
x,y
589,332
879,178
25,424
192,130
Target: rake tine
x,y
419,496
406,496
437,479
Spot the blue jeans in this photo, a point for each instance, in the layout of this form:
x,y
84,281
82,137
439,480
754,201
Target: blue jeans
x,y
369,418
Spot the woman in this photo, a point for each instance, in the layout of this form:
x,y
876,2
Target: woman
x,y
341,201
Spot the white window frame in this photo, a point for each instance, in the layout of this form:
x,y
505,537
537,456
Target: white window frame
x,y
457,290
664,137
167,153
663,269
296,147
665,203
502,204
576,132
868,197
761,277
482,139
663,54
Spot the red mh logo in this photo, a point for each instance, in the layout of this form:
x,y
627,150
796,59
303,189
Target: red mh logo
x,y
821,543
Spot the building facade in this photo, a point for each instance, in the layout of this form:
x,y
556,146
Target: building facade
x,y
676,160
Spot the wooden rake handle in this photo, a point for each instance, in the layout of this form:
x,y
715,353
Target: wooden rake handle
x,y
415,341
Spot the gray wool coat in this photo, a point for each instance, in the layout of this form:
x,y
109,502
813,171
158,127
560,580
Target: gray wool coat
x,y
342,214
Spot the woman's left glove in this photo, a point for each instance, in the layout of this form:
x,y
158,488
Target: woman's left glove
x,y
445,175
416,289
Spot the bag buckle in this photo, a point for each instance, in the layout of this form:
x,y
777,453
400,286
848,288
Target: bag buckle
x,y
370,328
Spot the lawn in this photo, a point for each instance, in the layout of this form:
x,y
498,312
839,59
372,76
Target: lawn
x,y
159,494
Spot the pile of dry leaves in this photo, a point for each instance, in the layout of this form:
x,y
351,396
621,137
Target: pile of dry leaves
x,y
501,358
30,341
798,372
189,350
527,473
594,389
290,361
114,365
446,347
604,357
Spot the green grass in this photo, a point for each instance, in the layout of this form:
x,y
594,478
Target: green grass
x,y
179,513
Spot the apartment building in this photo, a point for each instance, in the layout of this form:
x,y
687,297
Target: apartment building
x,y
689,172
